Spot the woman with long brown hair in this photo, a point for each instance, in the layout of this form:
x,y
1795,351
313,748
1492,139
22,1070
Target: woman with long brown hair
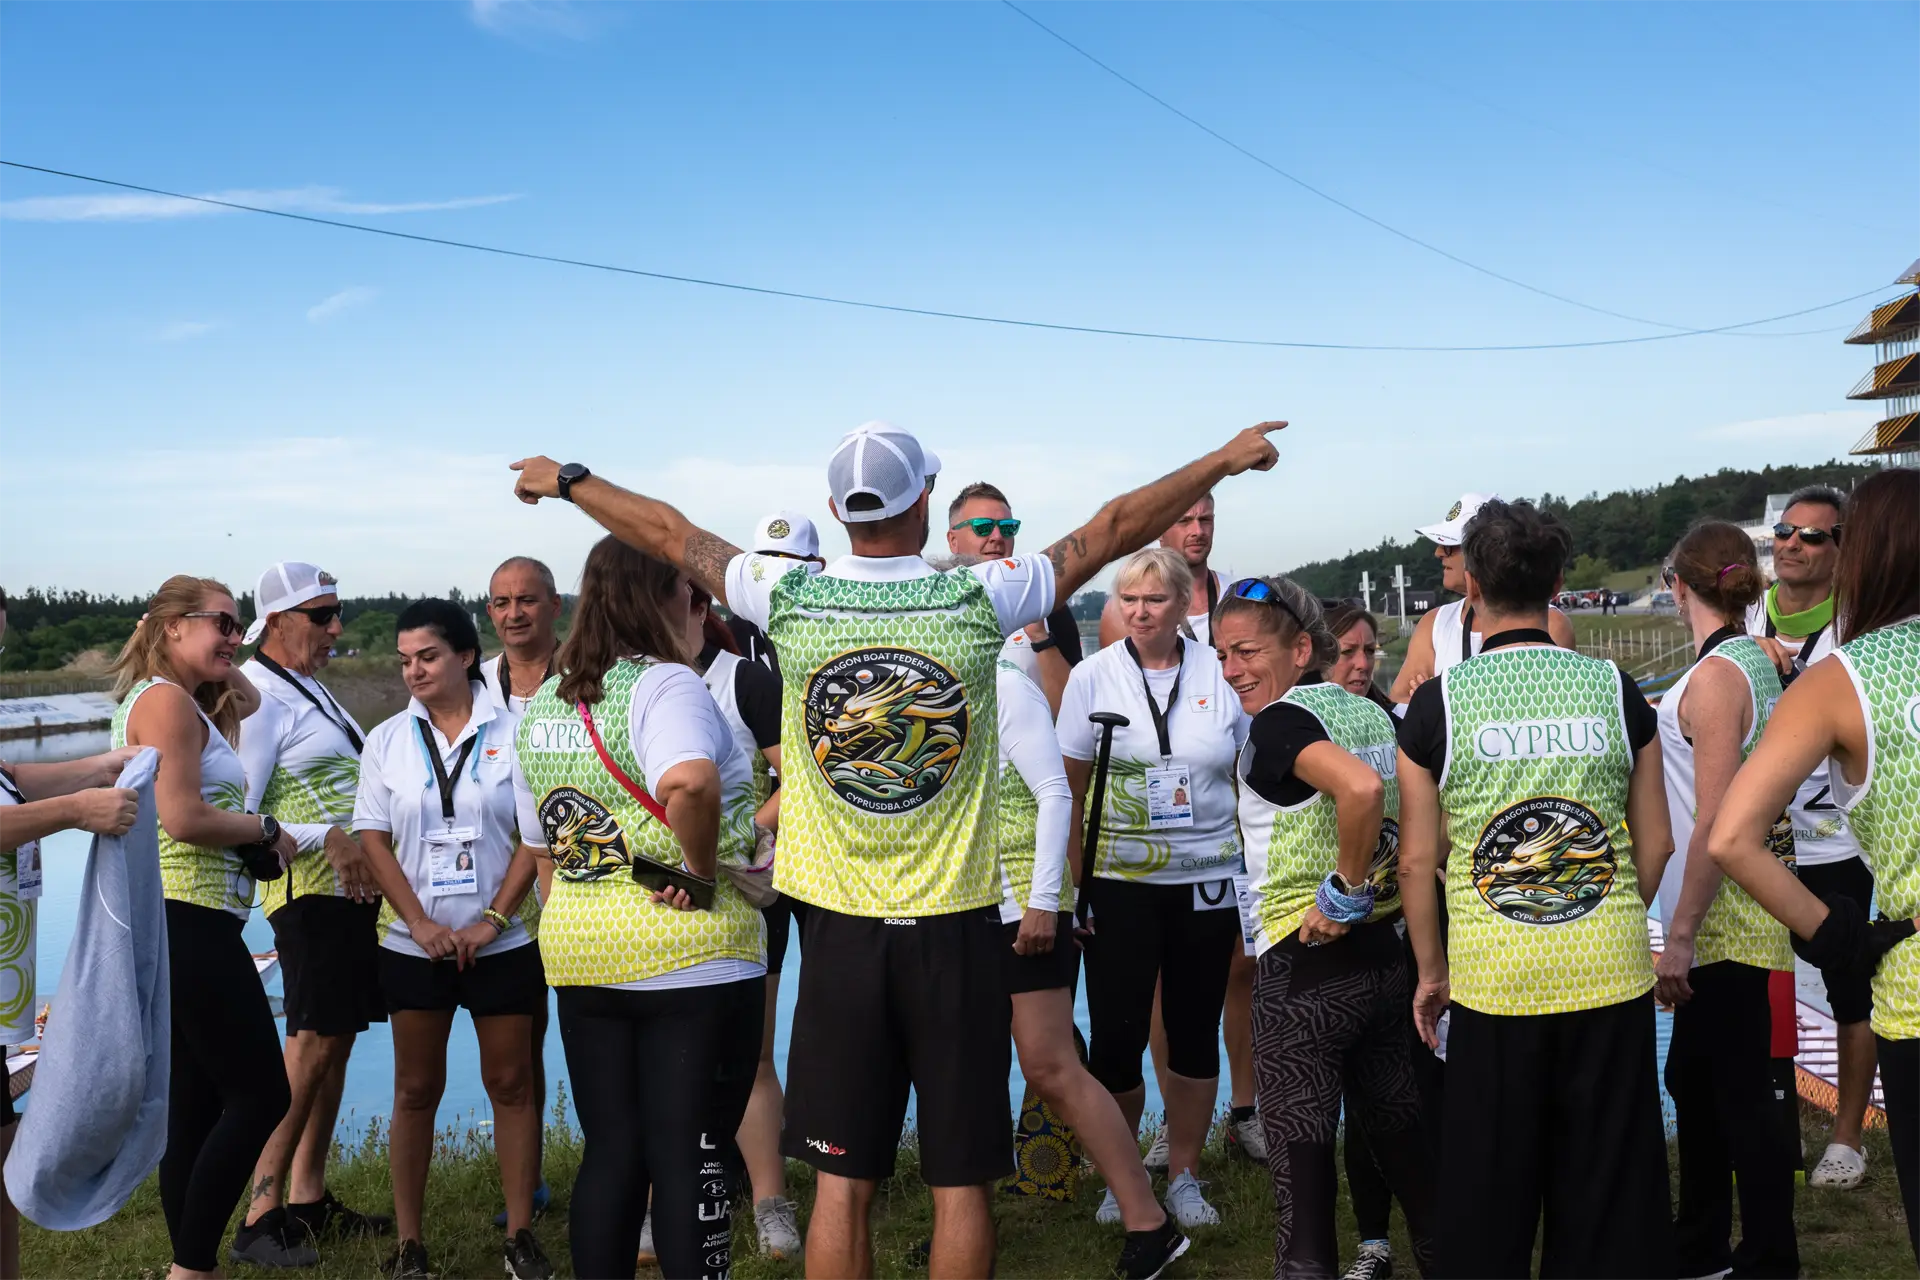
x,y
1861,708
179,691
632,784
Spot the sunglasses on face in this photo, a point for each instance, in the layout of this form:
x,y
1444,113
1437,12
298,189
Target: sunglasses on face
x,y
228,624
1809,534
319,617
1256,590
983,527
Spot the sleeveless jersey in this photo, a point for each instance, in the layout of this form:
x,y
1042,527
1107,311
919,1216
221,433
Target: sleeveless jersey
x,y
189,873
719,678
316,772
1291,849
18,916
889,724
1884,810
1820,834
1449,620
1016,830
1541,899
1735,927
600,927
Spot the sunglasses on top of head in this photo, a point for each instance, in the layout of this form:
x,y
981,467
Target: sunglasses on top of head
x,y
228,624
983,527
1260,592
1811,535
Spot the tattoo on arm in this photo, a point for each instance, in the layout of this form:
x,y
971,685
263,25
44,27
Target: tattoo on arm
x,y
1072,547
705,558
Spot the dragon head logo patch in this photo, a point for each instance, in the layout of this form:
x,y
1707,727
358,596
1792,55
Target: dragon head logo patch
x,y
582,835
1383,873
779,529
1453,512
1544,861
887,727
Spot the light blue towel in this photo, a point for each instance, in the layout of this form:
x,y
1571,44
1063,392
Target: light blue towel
x,y
96,1120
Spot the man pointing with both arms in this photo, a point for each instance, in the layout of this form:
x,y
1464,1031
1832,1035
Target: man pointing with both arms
x,y
888,833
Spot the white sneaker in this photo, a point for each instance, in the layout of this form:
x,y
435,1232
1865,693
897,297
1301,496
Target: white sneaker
x,y
647,1258
1108,1214
777,1220
1188,1207
1840,1169
1245,1137
1157,1157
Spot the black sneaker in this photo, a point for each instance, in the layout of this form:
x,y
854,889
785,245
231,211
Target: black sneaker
x,y
1373,1262
1148,1253
408,1261
525,1259
273,1241
328,1219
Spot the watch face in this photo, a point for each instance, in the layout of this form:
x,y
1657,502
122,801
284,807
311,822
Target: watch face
x,y
572,471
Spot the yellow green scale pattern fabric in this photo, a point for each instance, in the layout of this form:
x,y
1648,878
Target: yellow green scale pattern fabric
x,y
189,873
1736,927
1542,906
17,967
1015,832
890,724
1885,666
1304,845
600,927
319,790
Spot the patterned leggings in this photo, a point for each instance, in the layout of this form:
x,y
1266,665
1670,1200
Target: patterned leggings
x,y
1327,1018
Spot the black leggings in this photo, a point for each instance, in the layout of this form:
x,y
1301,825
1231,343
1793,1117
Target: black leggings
x,y
1900,1086
660,1079
1366,1184
1148,933
228,1087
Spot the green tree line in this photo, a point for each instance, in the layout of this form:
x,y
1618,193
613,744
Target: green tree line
x,y
1622,530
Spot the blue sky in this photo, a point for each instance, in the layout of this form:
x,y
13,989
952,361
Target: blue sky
x,y
206,393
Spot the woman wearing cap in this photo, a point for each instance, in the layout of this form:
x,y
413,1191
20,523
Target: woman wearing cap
x,y
1858,708
1722,949
748,696
1162,895
625,769
436,813
180,692
1319,810
301,753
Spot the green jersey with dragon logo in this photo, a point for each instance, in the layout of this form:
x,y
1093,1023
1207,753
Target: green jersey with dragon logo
x,y
1292,848
190,873
601,926
1542,906
1884,810
888,721
304,770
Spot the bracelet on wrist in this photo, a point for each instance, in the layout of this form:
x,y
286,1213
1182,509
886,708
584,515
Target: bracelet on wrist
x,y
1343,903
496,919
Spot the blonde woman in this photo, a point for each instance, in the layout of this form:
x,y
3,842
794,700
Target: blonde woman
x,y
180,692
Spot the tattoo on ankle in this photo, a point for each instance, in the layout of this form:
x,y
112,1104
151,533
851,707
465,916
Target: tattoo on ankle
x,y
263,1189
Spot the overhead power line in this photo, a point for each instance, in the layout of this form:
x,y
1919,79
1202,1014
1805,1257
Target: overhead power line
x,y
931,312
1332,199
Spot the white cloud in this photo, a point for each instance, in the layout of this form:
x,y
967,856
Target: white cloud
x,y
1840,427
141,207
530,17
183,330
345,300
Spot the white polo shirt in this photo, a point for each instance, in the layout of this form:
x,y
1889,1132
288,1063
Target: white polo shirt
x,y
400,796
1205,729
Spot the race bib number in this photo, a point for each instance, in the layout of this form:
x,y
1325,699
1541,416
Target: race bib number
x,y
450,863
1169,798
1243,894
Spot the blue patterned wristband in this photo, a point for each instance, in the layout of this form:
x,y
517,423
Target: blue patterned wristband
x,y
1344,908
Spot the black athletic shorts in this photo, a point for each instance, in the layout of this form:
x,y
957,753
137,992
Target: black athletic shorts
x,y
1059,967
1850,990
329,966
888,1005
498,985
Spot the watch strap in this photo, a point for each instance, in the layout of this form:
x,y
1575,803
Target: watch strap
x,y
1041,646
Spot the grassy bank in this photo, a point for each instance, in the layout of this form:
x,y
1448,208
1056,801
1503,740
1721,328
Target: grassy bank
x,y
1858,1233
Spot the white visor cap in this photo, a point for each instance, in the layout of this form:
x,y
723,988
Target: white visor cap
x,y
787,533
1449,531
287,585
878,471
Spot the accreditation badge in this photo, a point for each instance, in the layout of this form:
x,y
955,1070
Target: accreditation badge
x,y
1169,798
451,868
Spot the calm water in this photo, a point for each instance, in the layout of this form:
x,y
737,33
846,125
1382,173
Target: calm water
x,y
369,1086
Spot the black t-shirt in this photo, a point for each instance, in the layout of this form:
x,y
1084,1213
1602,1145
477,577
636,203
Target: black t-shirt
x,y
1423,731
753,644
756,691
1065,630
1275,739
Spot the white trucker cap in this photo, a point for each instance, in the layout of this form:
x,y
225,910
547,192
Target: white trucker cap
x,y
786,533
878,471
1448,532
287,585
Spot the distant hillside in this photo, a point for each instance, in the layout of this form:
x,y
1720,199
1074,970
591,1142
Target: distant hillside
x,y
1622,530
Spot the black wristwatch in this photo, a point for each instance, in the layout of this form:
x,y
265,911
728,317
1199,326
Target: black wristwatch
x,y
570,474
269,829
1041,646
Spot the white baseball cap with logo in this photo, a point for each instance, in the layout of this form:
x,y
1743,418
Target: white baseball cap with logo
x,y
786,533
1449,531
878,471
287,585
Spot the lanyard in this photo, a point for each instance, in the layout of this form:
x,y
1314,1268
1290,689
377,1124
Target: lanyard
x,y
506,678
1466,633
440,775
7,785
1717,639
1807,642
1173,696
1213,598
338,719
